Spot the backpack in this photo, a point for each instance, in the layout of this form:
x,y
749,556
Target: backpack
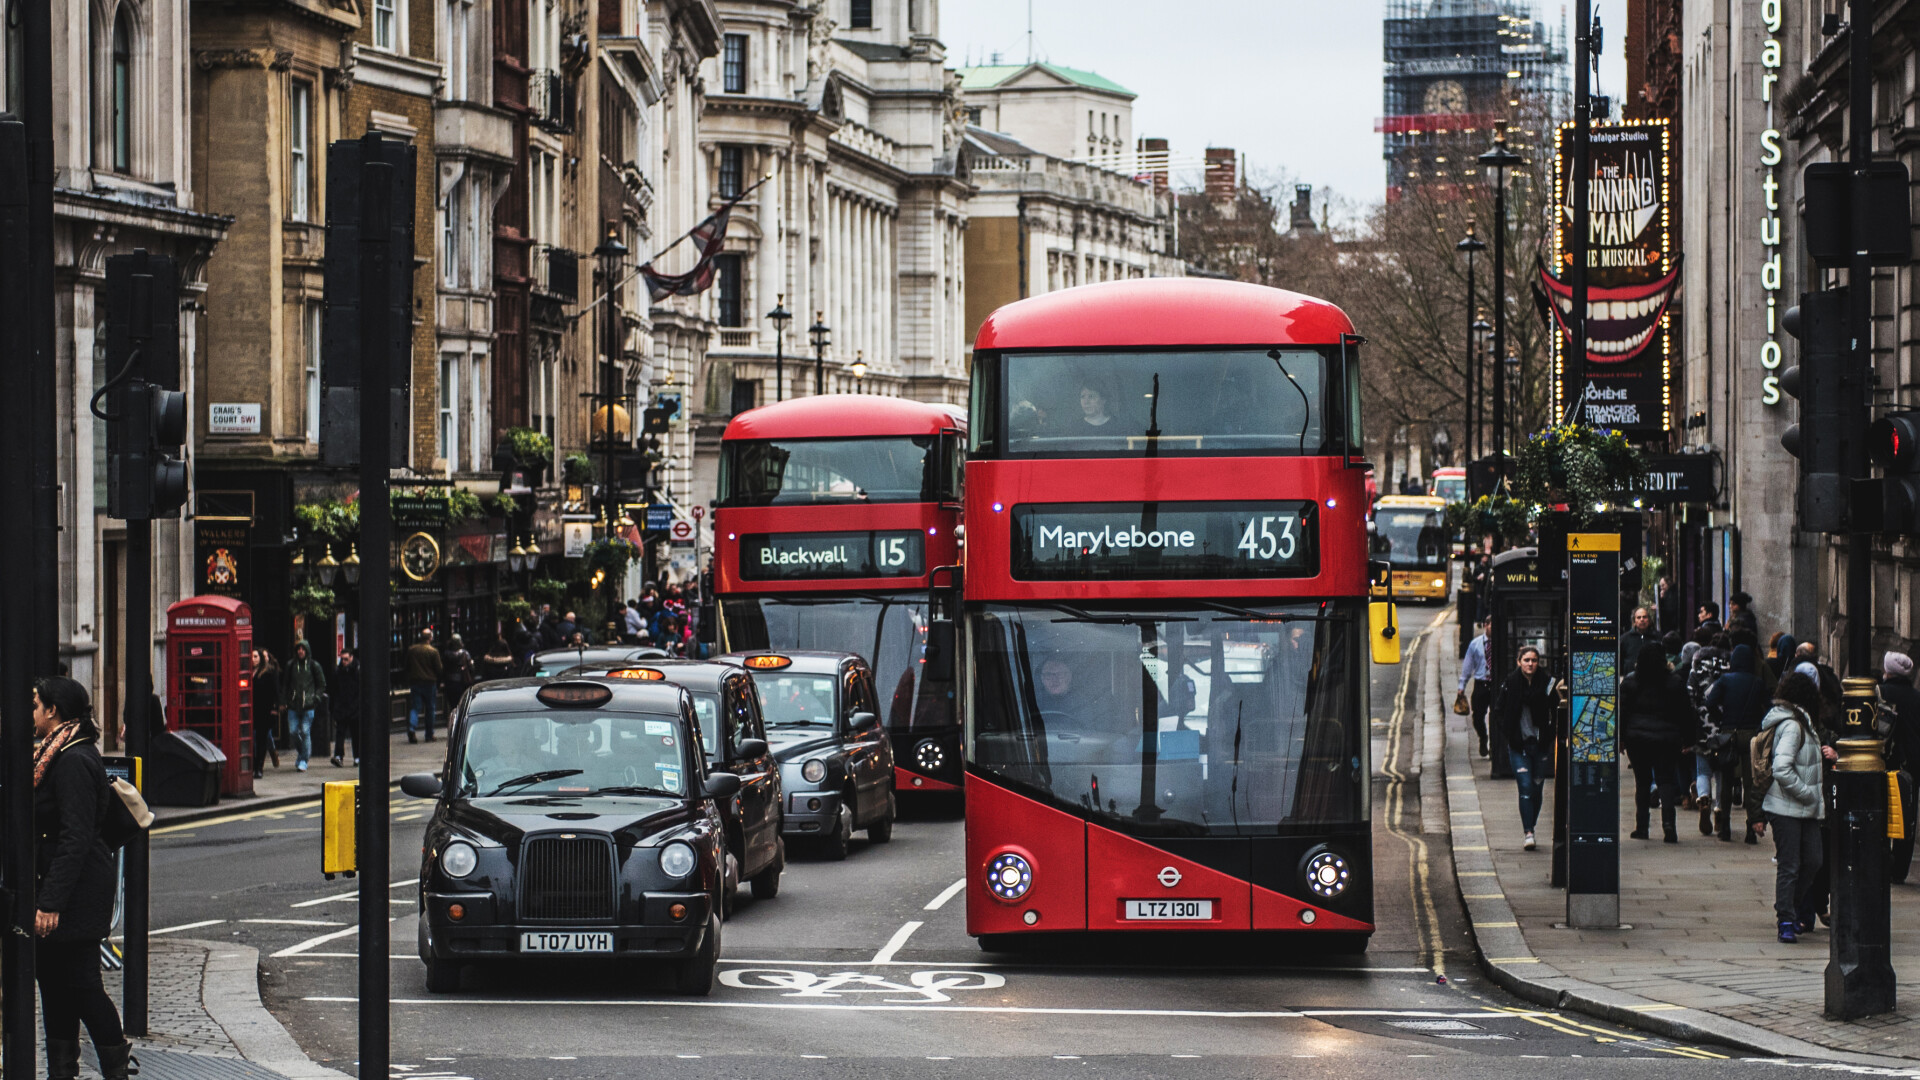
x,y
1760,754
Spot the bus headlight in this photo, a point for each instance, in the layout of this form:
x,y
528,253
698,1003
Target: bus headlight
x,y
458,859
1009,877
1327,874
677,859
814,771
929,756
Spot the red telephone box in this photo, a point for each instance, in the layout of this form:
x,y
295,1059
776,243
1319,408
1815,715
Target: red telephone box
x,y
210,680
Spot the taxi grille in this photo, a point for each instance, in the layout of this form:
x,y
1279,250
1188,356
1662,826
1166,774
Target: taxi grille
x,y
566,878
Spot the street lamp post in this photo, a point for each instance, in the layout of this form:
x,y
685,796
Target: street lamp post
x,y
1472,245
1476,379
822,336
859,369
1500,159
612,255
780,317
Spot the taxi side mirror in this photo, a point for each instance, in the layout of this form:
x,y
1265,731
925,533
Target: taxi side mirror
x,y
750,749
421,785
721,785
865,721
1383,629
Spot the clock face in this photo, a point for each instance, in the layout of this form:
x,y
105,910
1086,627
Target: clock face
x,y
419,556
1445,96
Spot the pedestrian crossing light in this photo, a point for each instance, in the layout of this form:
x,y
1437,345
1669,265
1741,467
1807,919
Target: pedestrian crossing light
x,y
1894,444
1819,321
146,417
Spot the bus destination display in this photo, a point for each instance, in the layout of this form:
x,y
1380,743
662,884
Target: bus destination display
x,y
799,556
1161,541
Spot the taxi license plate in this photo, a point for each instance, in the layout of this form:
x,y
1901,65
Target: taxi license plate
x,y
566,943
1169,909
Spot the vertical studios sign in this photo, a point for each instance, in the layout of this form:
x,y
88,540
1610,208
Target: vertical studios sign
x,y
1770,157
1632,270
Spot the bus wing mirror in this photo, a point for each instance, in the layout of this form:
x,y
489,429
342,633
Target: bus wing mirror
x,y
943,605
942,639
1383,629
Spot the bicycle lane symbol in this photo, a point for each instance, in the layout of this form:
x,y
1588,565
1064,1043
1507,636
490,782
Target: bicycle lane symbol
x,y
921,987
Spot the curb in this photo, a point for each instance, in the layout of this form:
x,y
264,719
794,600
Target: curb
x,y
200,814
1507,958
231,996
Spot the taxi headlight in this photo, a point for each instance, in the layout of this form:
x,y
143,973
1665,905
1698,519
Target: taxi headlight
x,y
677,859
814,771
458,859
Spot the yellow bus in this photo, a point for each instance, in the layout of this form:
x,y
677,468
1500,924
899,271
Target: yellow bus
x,y
1410,533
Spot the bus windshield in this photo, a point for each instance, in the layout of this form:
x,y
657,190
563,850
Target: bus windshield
x,y
1161,404
798,472
890,631
1188,722
1411,538
1451,488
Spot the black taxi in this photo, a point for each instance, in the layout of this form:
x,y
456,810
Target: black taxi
x,y
734,735
548,662
836,763
578,821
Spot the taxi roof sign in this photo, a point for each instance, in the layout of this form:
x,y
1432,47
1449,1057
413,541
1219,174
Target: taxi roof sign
x,y
644,674
574,694
769,662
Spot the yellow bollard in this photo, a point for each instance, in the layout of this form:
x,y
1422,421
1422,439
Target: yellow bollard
x,y
339,828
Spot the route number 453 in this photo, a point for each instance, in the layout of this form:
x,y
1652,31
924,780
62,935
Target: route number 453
x,y
893,552
1270,537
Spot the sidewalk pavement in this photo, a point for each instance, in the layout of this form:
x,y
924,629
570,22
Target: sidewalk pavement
x,y
1699,959
285,785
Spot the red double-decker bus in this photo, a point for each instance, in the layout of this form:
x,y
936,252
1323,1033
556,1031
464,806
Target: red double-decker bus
x,y
833,512
1165,616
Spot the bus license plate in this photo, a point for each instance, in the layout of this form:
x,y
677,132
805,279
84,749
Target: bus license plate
x,y
573,943
1169,909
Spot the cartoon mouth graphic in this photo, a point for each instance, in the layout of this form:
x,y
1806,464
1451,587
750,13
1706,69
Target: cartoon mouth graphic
x,y
1620,321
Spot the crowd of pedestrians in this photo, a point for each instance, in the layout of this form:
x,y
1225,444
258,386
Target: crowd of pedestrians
x,y
1714,722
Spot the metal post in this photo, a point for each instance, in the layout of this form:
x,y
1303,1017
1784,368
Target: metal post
x,y
17,357
376,617
611,388
1472,336
779,364
1859,975
1576,356
1860,322
139,682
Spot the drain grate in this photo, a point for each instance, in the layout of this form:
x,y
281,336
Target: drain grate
x,y
1433,1025
1484,1036
173,1065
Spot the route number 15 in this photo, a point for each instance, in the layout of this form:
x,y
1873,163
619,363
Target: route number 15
x,y
1270,537
893,552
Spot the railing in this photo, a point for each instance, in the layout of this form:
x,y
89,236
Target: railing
x,y
736,339
556,272
550,96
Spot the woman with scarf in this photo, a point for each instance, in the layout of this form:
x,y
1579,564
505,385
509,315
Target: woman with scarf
x,y
75,882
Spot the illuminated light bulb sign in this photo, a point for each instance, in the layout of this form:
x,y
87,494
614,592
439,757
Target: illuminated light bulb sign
x,y
1770,157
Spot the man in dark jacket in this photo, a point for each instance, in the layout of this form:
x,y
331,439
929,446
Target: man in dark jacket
x,y
1524,711
1736,704
1900,718
1740,614
303,688
423,683
345,707
1657,723
1640,634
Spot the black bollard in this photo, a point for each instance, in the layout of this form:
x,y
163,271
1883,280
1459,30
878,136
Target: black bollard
x,y
1859,976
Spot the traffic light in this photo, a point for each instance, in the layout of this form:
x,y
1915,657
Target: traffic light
x,y
146,416
654,420
344,267
1894,444
1819,321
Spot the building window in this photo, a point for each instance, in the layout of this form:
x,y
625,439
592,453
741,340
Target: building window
x,y
450,409
746,395
732,167
299,150
458,33
726,288
475,222
860,15
479,418
386,24
315,316
452,226
122,130
733,64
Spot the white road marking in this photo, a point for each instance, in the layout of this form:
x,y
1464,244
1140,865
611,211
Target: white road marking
x,y
946,894
315,942
186,926
683,1003
1015,966
295,922
899,938
355,895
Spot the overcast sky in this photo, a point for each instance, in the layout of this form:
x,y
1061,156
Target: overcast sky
x,y
1294,85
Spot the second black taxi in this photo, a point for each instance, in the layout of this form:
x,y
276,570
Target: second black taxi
x,y
579,821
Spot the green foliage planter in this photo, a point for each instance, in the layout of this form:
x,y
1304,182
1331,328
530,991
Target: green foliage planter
x,y
1578,465
516,608
315,601
527,448
578,469
548,591
1508,520
611,554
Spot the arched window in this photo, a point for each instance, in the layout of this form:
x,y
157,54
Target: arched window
x,y
121,124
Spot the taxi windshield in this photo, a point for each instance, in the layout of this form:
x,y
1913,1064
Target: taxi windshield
x,y
572,754
793,700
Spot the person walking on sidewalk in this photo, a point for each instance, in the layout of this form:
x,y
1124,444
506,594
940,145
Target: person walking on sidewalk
x,y
266,699
304,688
1736,704
344,700
1476,681
1900,715
1524,712
1656,722
423,679
1793,803
1641,633
75,882
459,675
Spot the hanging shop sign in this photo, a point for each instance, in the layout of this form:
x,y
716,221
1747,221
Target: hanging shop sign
x,y
1632,271
221,549
1770,158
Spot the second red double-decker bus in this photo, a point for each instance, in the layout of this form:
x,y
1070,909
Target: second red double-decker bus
x,y
833,511
1165,616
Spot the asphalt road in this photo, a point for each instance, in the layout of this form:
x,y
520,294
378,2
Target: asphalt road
x,y
864,969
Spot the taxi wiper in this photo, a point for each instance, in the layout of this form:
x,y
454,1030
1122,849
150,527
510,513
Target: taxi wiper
x,y
802,723
534,778
634,789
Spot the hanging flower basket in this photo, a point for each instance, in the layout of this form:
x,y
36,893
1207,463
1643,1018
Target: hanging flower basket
x,y
1577,465
1509,520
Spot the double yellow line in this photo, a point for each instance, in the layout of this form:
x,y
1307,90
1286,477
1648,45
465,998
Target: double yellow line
x,y
1418,876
